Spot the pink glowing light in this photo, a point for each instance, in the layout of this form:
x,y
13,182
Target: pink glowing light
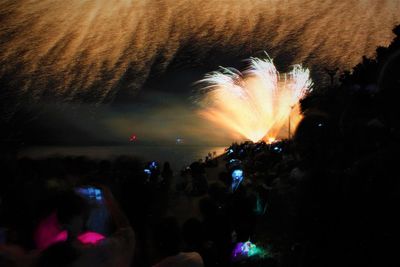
x,y
91,238
49,232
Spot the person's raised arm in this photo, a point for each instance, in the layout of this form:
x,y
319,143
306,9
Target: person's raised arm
x,y
118,216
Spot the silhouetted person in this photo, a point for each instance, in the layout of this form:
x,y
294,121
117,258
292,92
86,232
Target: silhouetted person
x,y
199,181
114,250
217,228
195,240
167,237
331,73
167,174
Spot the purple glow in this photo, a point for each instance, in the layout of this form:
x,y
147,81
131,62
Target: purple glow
x,y
247,249
49,232
237,252
90,238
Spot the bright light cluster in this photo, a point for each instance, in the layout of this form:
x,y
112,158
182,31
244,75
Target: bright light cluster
x,y
256,103
247,249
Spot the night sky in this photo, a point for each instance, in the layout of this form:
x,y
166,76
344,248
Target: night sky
x,y
100,70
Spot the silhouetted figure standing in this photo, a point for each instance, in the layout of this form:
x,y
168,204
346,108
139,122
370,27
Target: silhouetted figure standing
x,y
167,238
331,73
167,174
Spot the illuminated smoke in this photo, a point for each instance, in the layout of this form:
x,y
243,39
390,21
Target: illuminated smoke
x,y
88,50
256,103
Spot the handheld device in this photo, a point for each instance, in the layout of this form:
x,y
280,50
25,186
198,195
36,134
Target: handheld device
x,y
277,149
92,194
237,178
153,165
98,220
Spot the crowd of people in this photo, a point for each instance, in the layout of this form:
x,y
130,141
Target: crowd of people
x,y
327,197
64,211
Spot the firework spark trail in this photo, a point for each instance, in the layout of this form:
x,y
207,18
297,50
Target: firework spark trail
x,y
255,104
88,50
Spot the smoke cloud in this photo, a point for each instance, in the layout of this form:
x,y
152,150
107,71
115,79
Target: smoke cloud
x,y
89,50
99,51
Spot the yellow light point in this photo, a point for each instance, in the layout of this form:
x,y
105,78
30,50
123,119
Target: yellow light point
x,y
258,103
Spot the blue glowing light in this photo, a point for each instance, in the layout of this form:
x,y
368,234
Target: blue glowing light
x,y
153,165
234,161
237,178
97,193
92,194
277,149
237,174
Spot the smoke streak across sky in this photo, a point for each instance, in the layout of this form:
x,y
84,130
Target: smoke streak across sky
x,y
135,53
88,50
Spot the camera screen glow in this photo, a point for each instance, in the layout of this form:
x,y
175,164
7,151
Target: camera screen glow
x,y
237,177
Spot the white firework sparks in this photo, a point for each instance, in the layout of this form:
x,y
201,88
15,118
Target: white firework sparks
x,y
256,103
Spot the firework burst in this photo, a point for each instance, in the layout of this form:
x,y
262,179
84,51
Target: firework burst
x,y
256,103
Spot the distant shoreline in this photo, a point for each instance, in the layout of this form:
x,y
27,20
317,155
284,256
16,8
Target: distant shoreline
x,y
178,155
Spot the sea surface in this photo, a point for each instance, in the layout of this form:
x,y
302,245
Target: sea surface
x,y
178,155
